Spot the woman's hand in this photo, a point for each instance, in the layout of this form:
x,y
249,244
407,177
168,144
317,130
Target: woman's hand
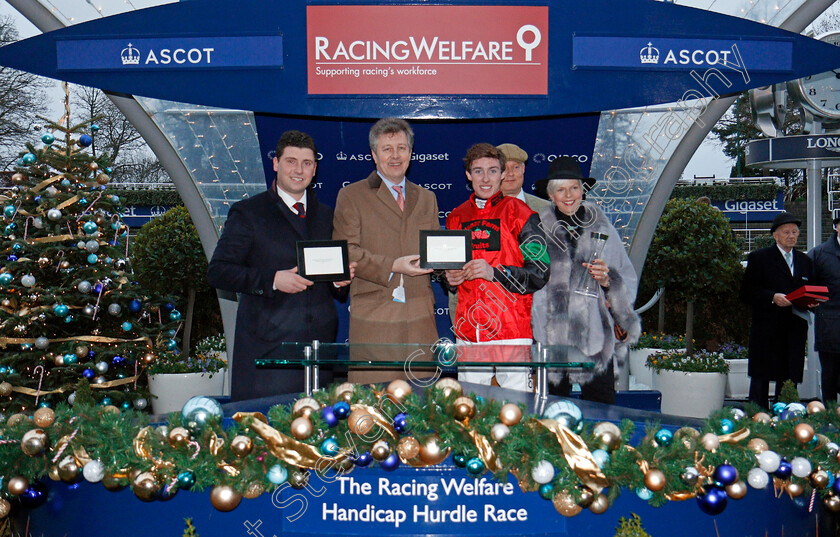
x,y
600,271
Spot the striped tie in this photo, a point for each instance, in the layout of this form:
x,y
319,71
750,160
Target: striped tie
x,y
400,198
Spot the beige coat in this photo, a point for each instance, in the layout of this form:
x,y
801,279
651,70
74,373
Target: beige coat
x,y
377,232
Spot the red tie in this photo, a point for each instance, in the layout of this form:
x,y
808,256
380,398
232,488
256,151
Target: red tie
x,y
400,198
300,209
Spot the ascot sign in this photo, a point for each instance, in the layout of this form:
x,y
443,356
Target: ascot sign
x,y
427,50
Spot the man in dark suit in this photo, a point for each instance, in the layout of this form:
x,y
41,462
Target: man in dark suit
x,y
777,335
256,256
826,259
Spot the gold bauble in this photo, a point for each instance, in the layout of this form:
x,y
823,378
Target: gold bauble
x,y
301,428
343,388
178,436
68,470
64,265
109,409
687,436
241,445
103,178
463,408
145,486
18,179
44,417
398,390
93,166
408,448
600,505
5,389
14,419
795,489
380,450
761,417
815,407
803,432
6,303
449,385
820,479
608,435
253,490
17,485
305,406
5,508
431,452
565,504
736,490
224,498
53,473
149,358
34,442
81,351
510,414
758,445
710,442
113,483
832,503
360,422
587,496
344,466
655,480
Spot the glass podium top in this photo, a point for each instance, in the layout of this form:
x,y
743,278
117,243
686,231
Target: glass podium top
x,y
423,355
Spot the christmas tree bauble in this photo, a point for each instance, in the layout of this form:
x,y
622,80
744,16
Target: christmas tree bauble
x,y
85,140
47,138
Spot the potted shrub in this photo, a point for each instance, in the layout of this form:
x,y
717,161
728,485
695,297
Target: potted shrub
x,y
173,380
649,344
737,381
691,384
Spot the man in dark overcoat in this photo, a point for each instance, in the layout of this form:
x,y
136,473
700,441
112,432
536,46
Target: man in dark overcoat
x,y
777,335
826,259
256,257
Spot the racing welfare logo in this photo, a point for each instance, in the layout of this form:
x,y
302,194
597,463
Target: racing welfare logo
x,y
427,50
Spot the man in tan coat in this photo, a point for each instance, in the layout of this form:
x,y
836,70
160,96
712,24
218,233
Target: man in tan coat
x,y
380,217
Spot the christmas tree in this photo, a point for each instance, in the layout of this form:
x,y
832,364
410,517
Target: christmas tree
x,y
69,305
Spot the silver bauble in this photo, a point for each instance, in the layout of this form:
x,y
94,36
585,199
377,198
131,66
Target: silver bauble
x,y
101,367
84,286
92,246
42,342
88,310
27,280
54,214
114,309
140,403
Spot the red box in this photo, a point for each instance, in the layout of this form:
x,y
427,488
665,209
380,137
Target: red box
x,y
808,296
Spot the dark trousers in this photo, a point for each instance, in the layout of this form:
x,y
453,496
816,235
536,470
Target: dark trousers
x,y
830,375
600,389
759,389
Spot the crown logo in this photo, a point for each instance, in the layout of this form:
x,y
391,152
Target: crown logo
x,y
649,54
341,156
130,55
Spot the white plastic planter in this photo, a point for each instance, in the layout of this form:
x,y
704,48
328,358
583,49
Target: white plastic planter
x,y
737,381
693,395
171,391
641,373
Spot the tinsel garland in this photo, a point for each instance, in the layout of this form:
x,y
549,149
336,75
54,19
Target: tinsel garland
x,y
574,462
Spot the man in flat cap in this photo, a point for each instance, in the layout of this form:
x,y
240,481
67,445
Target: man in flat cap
x,y
777,335
826,259
515,176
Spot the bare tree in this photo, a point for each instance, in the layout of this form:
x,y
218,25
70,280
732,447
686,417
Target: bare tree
x,y
22,99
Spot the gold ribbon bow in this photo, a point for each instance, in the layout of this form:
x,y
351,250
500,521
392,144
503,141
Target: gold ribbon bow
x,y
578,456
216,445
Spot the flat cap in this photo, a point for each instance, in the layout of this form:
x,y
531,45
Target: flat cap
x,y
513,152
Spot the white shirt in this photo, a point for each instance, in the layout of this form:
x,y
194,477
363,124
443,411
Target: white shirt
x,y
521,196
290,201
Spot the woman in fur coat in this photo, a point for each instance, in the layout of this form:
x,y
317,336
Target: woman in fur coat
x,y
560,316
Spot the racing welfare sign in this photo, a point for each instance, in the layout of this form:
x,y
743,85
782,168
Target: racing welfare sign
x,y
420,50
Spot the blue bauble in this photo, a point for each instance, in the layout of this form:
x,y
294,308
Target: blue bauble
x,y
712,500
12,258
664,437
330,447
9,211
391,463
168,306
784,470
6,278
47,138
134,306
26,346
459,460
34,496
109,170
363,459
401,423
83,201
88,374
186,479
115,199
90,227
127,326
17,247
10,229
85,140
563,407
172,333
726,426
70,358
778,408
126,405
601,457
61,310
105,401
94,127
725,474
446,354
174,315
28,159
201,409
644,493
98,287
171,345
277,475
92,258
117,360
329,417
166,492
475,466
69,319
834,483
547,491
65,183
341,409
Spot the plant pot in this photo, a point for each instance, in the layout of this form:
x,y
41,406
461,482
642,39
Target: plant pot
x,y
694,395
171,391
642,373
737,381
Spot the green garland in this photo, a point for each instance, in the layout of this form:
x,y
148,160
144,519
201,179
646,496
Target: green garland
x,y
129,449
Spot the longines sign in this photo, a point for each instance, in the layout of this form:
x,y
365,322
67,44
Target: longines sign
x,y
501,50
794,151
